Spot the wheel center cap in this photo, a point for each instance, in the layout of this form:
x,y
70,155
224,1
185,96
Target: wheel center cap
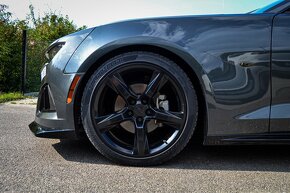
x,y
139,109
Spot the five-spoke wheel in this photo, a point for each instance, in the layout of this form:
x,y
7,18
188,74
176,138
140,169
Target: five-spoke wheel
x,y
141,110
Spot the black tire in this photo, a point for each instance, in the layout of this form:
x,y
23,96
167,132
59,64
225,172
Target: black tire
x,y
139,147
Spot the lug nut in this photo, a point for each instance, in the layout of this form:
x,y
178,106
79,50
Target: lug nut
x,y
148,112
130,113
139,119
132,102
144,101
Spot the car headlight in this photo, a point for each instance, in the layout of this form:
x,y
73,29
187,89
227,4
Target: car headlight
x,y
53,50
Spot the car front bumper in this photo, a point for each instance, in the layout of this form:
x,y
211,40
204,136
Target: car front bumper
x,y
54,117
43,132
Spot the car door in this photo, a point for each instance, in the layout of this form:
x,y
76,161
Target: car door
x,y
280,109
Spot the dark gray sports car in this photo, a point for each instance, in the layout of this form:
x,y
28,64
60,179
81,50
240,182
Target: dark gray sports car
x,y
140,89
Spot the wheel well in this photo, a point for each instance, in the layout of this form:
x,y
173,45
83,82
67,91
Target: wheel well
x,y
201,123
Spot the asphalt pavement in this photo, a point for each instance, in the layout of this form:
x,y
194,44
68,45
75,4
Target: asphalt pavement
x,y
30,164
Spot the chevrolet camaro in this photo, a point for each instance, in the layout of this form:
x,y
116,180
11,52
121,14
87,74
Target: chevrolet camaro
x,y
140,89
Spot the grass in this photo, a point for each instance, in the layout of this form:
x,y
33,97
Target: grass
x,y
5,97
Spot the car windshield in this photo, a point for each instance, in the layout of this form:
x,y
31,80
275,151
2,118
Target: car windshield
x,y
267,7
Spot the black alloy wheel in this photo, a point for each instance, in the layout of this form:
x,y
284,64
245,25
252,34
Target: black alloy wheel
x,y
139,108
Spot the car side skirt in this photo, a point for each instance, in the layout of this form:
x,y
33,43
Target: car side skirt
x,y
255,139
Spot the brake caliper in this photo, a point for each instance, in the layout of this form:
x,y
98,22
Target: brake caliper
x,y
162,104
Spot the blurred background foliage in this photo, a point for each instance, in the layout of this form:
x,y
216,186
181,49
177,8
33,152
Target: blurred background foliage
x,y
41,32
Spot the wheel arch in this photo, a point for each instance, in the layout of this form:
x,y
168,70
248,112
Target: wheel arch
x,y
186,62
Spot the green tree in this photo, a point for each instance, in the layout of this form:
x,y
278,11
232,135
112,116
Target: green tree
x,y
10,51
41,32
